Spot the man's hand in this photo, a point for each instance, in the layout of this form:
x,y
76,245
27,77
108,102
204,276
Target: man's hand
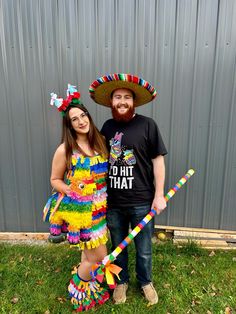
x,y
105,260
159,204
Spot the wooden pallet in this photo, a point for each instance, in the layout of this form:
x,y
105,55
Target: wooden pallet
x,y
207,238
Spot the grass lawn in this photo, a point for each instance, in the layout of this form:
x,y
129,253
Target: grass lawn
x,y
34,279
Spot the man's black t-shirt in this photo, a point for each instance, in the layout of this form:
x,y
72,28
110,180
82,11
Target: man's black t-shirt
x,y
132,147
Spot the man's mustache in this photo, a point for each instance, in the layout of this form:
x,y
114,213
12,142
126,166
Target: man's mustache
x,y
122,105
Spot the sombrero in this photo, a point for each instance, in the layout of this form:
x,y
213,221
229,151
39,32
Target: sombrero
x,y
100,90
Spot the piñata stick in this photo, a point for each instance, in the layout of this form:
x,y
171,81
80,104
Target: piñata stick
x,y
147,218
104,268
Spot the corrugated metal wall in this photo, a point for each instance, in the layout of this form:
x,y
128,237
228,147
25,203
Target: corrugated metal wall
x,y
186,48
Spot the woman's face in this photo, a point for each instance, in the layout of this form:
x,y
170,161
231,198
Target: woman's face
x,y
79,120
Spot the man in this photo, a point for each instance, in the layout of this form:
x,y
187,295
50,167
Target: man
x,y
136,174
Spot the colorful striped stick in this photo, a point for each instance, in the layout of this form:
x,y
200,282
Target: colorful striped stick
x,y
110,258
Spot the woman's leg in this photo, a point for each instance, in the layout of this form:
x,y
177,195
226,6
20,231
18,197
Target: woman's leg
x,y
89,258
83,257
86,292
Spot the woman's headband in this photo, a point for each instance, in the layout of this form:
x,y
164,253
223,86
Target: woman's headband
x,y
73,97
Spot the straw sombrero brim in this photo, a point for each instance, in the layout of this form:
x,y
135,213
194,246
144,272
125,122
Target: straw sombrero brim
x,y
100,90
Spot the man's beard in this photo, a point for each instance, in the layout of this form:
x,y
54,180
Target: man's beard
x,y
126,117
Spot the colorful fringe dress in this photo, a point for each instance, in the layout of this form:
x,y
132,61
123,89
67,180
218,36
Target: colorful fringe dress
x,y
84,211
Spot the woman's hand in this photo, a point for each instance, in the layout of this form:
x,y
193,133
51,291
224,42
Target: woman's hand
x,y
66,189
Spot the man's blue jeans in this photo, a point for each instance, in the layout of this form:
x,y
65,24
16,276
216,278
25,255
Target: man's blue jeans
x,y
118,220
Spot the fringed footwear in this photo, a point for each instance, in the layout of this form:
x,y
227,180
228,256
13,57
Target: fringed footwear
x,y
57,238
56,235
86,294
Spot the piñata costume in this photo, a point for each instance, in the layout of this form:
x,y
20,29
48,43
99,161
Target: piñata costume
x,y
84,209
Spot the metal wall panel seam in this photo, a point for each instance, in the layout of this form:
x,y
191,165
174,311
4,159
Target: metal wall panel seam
x,y
2,207
190,134
42,88
164,13
96,17
206,181
185,60
229,140
155,62
227,154
73,47
26,107
59,58
135,44
2,43
173,91
10,121
150,46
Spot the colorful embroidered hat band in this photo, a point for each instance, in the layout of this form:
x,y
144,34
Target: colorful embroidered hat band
x,y
73,97
100,90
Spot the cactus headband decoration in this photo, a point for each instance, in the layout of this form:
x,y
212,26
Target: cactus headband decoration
x,y
73,97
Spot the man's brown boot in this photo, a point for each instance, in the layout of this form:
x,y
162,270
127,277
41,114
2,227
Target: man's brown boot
x,y
119,294
150,294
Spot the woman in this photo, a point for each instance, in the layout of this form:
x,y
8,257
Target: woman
x,y
79,170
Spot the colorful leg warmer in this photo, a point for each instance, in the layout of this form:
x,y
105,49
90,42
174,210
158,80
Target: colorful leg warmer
x,y
55,229
86,294
73,237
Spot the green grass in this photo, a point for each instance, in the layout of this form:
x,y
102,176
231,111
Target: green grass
x,y
34,279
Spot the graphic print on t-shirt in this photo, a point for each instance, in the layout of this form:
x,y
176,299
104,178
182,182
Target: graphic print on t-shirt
x,y
121,162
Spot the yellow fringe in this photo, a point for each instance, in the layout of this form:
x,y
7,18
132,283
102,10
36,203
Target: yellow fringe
x,y
76,220
97,159
94,243
82,174
93,160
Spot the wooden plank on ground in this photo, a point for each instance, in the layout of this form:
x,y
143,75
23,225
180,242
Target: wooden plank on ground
x,y
212,247
203,243
23,236
194,229
178,234
219,248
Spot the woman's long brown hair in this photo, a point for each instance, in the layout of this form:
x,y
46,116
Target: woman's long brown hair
x,y
69,136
